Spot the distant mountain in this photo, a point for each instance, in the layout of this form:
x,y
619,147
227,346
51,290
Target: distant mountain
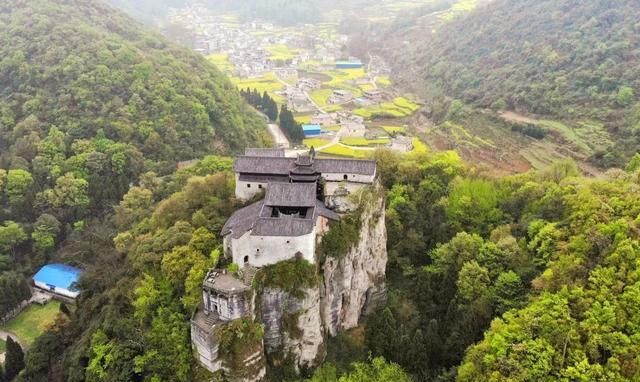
x,y
148,11
571,60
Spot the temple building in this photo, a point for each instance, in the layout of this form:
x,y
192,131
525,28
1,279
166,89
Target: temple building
x,y
256,169
302,196
288,221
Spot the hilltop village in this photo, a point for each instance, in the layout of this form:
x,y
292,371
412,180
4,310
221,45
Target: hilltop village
x,y
298,199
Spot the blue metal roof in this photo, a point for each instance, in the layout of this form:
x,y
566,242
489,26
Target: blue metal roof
x,y
58,275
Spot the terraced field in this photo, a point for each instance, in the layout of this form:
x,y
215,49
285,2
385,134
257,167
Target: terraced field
x,y
400,107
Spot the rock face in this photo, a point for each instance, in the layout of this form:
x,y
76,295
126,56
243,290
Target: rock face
x,y
355,282
293,326
297,327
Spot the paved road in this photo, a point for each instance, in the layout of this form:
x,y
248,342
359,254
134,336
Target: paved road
x,y
278,136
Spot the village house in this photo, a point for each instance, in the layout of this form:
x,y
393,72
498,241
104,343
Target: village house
x,y
354,129
298,101
323,119
402,144
374,95
308,84
340,96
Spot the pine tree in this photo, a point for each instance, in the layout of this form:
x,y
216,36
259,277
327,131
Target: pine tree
x,y
2,378
14,359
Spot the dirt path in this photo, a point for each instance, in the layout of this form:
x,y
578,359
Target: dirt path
x,y
4,335
512,116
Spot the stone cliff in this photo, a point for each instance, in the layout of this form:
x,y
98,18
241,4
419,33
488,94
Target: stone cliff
x,y
296,327
354,282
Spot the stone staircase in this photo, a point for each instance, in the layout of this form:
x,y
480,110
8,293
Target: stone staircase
x,y
247,273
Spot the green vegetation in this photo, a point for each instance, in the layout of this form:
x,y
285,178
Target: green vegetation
x,y
3,346
281,52
239,340
579,75
321,96
354,141
383,81
14,288
342,236
90,103
267,83
346,151
33,321
400,107
293,277
394,129
221,61
13,362
377,370
315,142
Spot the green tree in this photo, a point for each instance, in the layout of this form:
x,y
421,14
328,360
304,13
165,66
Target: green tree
x,y
14,359
625,96
18,188
45,231
69,192
509,292
11,235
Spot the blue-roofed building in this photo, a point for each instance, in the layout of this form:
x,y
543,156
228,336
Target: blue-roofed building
x,y
349,65
59,279
311,130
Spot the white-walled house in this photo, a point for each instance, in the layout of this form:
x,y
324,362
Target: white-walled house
x,y
255,172
286,224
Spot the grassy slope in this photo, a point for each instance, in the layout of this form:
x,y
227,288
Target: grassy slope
x,y
33,321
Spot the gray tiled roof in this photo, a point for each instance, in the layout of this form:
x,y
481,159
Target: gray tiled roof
x,y
242,220
291,195
346,166
264,153
264,178
283,226
263,165
321,210
248,219
277,165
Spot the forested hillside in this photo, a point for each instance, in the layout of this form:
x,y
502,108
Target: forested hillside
x,y
542,265
576,62
89,102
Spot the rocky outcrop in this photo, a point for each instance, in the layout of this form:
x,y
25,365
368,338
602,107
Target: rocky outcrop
x,y
293,328
355,282
296,325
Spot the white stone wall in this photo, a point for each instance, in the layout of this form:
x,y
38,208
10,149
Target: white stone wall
x,y
60,291
226,307
358,178
247,190
267,250
206,348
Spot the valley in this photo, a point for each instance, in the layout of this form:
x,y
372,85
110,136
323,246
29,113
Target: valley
x,y
319,191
